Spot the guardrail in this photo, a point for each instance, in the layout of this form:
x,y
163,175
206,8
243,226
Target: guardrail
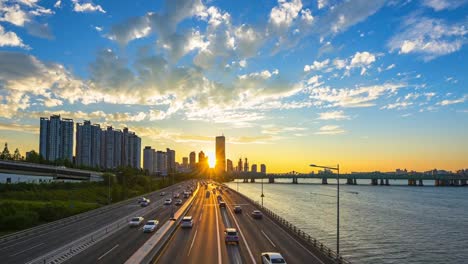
x,y
298,232
64,221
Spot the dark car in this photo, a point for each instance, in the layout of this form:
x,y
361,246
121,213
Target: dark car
x,y
257,214
237,209
222,204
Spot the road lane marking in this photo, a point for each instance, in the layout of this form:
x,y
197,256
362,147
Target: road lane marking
x,y
217,235
199,219
191,245
103,255
22,251
243,238
268,238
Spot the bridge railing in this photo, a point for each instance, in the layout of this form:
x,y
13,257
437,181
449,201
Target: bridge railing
x,y
298,232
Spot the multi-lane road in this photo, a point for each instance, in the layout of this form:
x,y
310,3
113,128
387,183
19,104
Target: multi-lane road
x,y
33,246
203,243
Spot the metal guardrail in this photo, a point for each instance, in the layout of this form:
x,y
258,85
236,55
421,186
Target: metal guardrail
x,y
64,221
298,232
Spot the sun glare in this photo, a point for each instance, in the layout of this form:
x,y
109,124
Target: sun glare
x,y
211,159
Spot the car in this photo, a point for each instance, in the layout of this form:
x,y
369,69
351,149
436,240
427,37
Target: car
x,y
150,226
272,257
222,204
178,202
237,209
141,199
176,195
257,214
162,193
145,203
207,194
231,236
136,221
168,201
187,221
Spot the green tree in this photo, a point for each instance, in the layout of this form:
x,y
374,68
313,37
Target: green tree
x,y
34,157
17,155
5,153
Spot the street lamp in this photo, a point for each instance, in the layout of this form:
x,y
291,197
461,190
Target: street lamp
x,y
337,168
172,194
262,192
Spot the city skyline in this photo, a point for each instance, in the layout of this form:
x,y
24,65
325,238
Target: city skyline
x,y
371,85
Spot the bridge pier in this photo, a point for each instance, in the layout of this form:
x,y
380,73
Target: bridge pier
x,y
463,182
421,183
374,182
411,182
354,181
294,180
349,181
381,182
324,181
271,180
252,179
386,182
246,180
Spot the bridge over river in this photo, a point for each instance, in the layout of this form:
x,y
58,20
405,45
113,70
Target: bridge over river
x,y
376,178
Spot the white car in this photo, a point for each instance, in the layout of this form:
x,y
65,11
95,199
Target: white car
x,y
272,257
150,226
178,202
187,221
176,195
168,201
136,221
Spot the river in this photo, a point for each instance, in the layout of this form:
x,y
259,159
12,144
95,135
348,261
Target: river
x,y
378,224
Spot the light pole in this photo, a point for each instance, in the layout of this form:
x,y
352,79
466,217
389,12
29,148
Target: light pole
x,y
337,168
172,197
262,192
108,190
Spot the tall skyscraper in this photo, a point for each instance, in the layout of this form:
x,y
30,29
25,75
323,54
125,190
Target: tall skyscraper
x,y
239,165
185,163
263,168
56,138
246,165
88,144
202,162
161,163
192,158
229,166
148,159
220,154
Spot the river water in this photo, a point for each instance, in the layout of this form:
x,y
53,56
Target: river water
x,y
378,224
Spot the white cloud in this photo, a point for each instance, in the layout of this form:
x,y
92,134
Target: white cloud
x,y
283,15
439,5
429,37
306,15
316,65
330,130
13,14
58,4
98,29
454,101
391,66
333,115
10,38
265,74
361,59
397,105
86,7
322,3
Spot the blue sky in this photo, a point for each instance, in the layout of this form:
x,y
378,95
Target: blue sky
x,y
325,80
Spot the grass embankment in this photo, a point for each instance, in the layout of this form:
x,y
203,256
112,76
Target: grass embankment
x,y
26,205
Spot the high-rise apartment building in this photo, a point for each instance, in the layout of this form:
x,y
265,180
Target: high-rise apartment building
x,y
263,168
88,144
229,166
120,148
239,165
56,138
185,163
192,158
246,165
202,162
171,164
254,168
148,159
220,154
161,163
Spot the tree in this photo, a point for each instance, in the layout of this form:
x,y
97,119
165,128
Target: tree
x,y
5,153
34,157
17,155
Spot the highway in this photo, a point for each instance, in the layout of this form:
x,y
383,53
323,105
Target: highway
x,y
33,246
204,243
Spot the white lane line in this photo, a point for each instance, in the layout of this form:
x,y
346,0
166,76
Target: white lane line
x,y
268,238
199,219
103,255
22,251
217,235
191,245
243,238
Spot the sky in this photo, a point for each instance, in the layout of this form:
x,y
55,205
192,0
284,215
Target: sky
x,y
370,85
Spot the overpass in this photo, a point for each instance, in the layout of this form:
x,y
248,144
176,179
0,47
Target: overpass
x,y
376,178
57,172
